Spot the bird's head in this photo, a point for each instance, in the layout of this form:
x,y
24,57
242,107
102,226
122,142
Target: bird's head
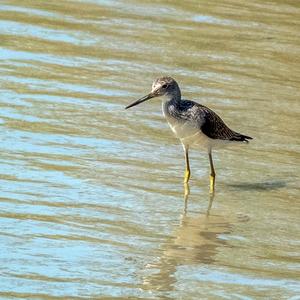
x,y
164,86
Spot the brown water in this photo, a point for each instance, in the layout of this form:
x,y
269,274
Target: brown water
x,y
91,195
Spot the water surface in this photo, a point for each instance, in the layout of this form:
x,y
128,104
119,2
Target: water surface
x,y
91,199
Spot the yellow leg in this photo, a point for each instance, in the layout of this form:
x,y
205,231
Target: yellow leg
x,y
212,177
186,195
187,173
186,190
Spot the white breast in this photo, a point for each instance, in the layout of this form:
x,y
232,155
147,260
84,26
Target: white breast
x,y
190,135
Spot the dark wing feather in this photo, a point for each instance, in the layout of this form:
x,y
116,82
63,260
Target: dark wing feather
x,y
214,127
211,124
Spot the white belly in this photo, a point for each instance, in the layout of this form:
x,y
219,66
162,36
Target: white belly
x,y
190,135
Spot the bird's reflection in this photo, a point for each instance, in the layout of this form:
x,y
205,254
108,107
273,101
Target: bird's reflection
x,y
195,241
186,195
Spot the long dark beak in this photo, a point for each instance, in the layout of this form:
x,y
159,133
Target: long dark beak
x,y
145,98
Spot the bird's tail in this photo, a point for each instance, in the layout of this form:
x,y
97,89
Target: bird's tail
x,y
241,138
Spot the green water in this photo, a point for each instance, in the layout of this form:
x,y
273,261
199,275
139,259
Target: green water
x,y
91,195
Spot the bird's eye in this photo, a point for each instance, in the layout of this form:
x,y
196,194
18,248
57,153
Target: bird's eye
x,y
164,86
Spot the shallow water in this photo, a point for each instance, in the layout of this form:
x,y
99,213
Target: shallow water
x,y
92,202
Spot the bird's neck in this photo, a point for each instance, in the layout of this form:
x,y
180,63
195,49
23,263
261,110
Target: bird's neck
x,y
169,102
172,99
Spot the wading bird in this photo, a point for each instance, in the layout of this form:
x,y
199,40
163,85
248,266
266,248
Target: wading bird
x,y
194,124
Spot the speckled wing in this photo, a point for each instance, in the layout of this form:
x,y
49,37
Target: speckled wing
x,y
212,125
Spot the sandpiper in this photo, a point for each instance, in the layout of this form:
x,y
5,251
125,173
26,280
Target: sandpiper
x,y
194,124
